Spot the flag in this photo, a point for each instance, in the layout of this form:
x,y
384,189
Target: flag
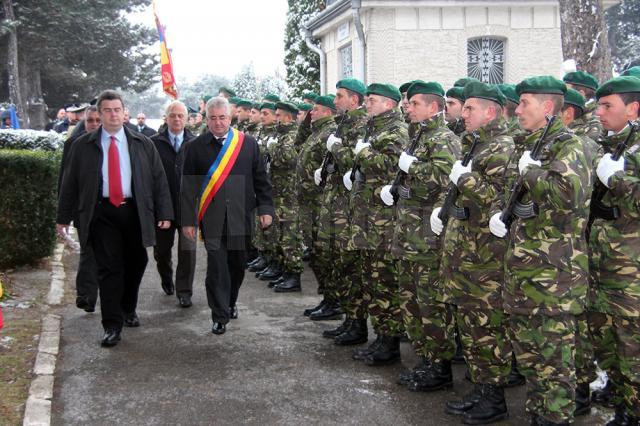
x,y
15,123
166,66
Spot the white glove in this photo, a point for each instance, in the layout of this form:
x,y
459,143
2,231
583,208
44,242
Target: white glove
x,y
332,140
360,146
436,223
386,196
317,176
458,170
607,167
346,180
497,226
405,161
271,141
526,161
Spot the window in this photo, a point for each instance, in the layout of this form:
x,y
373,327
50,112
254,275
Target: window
x,y
485,59
346,61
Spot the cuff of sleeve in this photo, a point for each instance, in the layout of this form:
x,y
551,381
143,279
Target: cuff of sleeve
x,y
262,210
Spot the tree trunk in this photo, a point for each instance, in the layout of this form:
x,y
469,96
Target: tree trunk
x,y
584,36
15,94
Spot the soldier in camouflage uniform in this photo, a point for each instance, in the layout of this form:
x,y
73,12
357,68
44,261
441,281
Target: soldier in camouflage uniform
x,y
233,101
373,222
453,110
574,117
614,314
303,111
254,126
333,223
310,157
282,157
243,108
546,267
472,265
428,323
304,128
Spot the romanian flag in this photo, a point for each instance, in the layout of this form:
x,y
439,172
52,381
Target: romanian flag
x,y
166,66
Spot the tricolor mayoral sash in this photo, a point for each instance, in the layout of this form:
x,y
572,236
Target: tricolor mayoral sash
x,y
219,170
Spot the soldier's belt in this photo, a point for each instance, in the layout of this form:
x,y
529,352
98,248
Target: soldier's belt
x,y
359,177
460,213
602,211
525,210
404,192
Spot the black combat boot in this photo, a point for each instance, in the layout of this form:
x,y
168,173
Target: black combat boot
x,y
258,264
275,282
362,353
272,274
514,378
604,396
461,406
356,334
252,257
439,376
491,407
541,421
387,353
332,333
583,400
320,305
623,417
290,284
406,377
330,311
267,268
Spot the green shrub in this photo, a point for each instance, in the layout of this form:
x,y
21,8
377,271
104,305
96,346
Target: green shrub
x,y
28,201
30,139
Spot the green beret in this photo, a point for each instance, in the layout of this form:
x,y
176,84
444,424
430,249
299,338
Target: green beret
x,y
244,103
271,97
310,95
383,89
234,100
425,88
544,84
477,89
256,105
581,78
456,92
205,98
224,89
191,110
405,86
509,91
461,82
326,101
287,106
633,71
574,98
268,105
303,106
352,84
624,84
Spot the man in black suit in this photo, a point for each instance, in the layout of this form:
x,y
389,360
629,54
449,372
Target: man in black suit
x,y
227,224
142,126
171,145
115,190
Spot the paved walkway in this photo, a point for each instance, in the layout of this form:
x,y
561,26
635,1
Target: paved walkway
x,y
271,367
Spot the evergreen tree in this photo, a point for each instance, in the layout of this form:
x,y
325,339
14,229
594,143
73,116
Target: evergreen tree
x,y
245,83
623,21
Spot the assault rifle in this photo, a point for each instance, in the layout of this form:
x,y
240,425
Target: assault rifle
x,y
400,176
327,161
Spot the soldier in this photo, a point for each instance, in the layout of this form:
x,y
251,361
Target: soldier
x,y
282,156
333,222
271,97
427,321
509,109
309,98
573,116
453,110
226,92
615,251
584,83
254,126
304,129
545,280
310,195
404,105
472,267
373,222
233,101
243,109
303,110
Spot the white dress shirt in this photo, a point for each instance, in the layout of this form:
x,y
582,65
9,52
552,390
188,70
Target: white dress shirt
x,y
125,162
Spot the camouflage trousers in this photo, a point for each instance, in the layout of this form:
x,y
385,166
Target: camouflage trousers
x,y
258,237
486,344
379,273
616,342
428,323
545,351
289,248
321,263
354,295
270,238
585,356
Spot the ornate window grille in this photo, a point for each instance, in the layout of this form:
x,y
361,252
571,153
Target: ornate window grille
x,y
346,61
485,59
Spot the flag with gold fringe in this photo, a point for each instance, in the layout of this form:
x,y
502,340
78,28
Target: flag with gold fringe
x,y
166,66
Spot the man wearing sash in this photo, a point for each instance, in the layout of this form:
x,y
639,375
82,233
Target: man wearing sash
x,y
223,181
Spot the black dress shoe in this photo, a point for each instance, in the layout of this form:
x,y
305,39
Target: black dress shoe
x,y
111,337
218,328
185,301
167,288
85,304
131,320
233,312
330,311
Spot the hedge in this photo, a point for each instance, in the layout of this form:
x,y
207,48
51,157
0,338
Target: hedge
x,y
28,202
30,139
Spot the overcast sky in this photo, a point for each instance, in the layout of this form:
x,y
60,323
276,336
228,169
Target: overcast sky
x,y
220,36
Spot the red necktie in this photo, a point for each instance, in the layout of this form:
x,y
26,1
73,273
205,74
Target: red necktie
x,y
115,184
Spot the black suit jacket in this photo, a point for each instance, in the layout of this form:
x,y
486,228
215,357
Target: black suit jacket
x,y
82,184
147,131
231,212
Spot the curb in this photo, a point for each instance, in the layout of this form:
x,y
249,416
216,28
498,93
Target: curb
x,y
38,407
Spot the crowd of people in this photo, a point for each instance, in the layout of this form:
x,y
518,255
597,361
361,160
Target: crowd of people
x,y
498,221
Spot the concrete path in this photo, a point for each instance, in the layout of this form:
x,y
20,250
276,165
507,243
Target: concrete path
x,y
271,367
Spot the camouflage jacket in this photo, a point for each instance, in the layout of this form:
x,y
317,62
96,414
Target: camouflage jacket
x,y
427,180
588,125
253,129
304,130
457,126
372,221
310,156
266,132
472,267
546,271
242,125
282,157
615,245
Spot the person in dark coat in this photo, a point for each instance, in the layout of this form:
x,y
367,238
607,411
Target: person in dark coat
x,y
142,126
115,189
171,145
226,225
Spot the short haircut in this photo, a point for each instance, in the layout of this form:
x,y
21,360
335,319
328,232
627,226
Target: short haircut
x,y
557,100
218,102
109,95
629,98
173,104
91,108
359,95
289,113
577,111
428,98
486,103
510,107
589,93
